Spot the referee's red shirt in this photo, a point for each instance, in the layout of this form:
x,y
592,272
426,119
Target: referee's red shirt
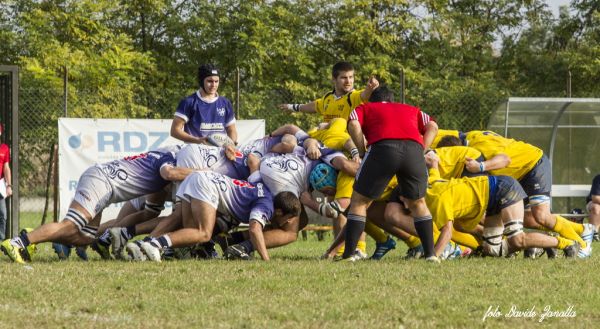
x,y
391,121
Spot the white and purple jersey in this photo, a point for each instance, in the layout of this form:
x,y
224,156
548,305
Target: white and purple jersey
x,y
290,171
260,147
239,199
205,157
203,118
137,175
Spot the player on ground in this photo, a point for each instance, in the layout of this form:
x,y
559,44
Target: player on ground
x,y
204,193
527,164
99,186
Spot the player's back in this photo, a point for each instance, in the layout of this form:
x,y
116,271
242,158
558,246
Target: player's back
x,y
452,160
523,156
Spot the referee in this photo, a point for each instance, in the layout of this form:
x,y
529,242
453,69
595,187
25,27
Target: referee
x,y
396,134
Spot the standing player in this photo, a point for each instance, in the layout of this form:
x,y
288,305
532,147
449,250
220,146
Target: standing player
x,y
6,175
396,134
99,186
205,112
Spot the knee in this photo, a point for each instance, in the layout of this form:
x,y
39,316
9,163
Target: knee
x,y
594,209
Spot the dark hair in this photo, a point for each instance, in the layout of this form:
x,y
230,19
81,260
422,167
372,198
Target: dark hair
x,y
449,141
205,71
340,67
382,94
288,203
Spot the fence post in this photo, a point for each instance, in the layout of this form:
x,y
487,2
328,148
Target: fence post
x,y
237,93
569,84
402,100
65,85
48,183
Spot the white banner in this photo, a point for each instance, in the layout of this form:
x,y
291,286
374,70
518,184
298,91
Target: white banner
x,y
85,142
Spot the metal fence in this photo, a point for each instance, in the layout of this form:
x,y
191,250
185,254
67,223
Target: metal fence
x,y
40,109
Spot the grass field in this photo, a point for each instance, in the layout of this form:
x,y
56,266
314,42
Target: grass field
x,y
296,290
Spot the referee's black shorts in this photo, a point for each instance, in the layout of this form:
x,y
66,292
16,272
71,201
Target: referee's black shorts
x,y
386,158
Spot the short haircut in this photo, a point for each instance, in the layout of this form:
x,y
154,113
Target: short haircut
x,y
449,141
288,202
382,94
340,67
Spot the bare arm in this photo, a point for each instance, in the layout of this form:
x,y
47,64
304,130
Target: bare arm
x,y
286,129
596,199
306,108
431,130
357,136
232,133
372,84
7,179
178,132
348,166
258,239
171,173
311,146
444,238
499,161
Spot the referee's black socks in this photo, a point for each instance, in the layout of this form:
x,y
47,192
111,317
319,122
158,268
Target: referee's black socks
x,y
424,227
355,226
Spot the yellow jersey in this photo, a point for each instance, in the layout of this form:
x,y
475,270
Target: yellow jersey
x,y
523,156
458,199
452,160
330,106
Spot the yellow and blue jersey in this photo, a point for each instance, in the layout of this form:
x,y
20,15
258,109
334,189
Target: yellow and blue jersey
x,y
523,156
330,106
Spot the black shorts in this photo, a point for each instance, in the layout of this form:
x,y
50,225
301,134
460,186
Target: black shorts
x,y
386,158
504,191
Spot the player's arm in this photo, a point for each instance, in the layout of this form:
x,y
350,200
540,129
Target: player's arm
x,y
341,163
173,173
372,84
7,179
431,130
178,132
305,108
351,148
357,136
596,199
325,208
287,145
232,133
499,161
444,238
258,239
311,146
286,129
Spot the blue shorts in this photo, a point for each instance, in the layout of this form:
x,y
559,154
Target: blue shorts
x,y
504,191
538,181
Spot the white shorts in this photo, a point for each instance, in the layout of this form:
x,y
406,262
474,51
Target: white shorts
x,y
138,203
93,192
198,156
278,181
199,186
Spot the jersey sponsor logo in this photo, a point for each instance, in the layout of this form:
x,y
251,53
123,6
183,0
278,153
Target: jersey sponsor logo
x,y
282,164
221,111
219,181
261,191
211,126
84,195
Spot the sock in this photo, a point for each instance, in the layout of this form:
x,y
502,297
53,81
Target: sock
x,y
355,226
465,239
105,239
235,238
412,242
162,242
24,239
128,232
248,245
340,251
578,228
424,226
563,228
148,238
563,243
375,232
362,246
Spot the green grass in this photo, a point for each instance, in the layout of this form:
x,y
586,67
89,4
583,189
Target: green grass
x,y
294,290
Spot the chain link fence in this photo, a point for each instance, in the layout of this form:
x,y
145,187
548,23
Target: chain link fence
x,y
40,109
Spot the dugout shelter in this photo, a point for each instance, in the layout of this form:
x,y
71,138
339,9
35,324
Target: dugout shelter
x,y
568,130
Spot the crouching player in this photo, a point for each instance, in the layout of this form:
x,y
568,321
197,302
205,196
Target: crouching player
x,y
462,203
99,186
206,193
